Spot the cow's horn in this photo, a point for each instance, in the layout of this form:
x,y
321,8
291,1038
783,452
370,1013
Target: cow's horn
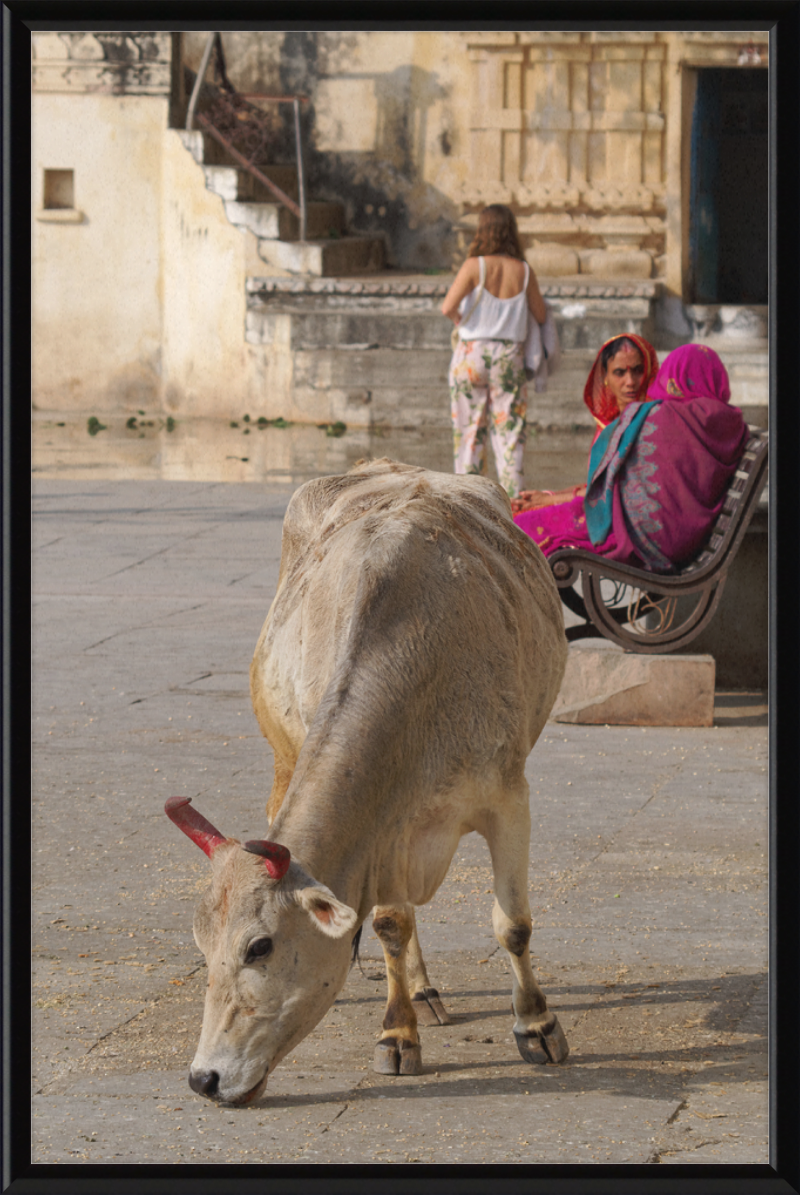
x,y
276,857
179,810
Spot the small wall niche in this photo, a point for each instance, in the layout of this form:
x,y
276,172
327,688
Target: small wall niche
x,y
58,198
59,189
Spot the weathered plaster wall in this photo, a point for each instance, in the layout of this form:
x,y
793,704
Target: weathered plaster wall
x,y
97,277
208,367
100,108
140,290
384,131
414,131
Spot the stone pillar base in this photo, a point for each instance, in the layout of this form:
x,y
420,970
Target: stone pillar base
x,y
604,685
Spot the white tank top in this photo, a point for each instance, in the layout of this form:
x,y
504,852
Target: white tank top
x,y
493,318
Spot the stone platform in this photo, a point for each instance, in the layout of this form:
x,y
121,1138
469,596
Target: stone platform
x,y
374,351
605,685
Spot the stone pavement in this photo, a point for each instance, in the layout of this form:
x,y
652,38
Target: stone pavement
x,y
648,887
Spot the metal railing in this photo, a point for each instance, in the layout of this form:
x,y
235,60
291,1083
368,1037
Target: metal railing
x,y
299,209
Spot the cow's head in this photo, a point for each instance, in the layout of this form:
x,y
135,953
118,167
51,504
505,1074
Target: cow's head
x,y
277,944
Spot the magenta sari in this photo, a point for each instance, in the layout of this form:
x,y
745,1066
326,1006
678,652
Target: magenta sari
x,y
657,474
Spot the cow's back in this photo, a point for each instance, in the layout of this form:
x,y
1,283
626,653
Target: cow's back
x,y
416,592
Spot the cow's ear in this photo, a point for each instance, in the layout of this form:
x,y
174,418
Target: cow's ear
x,y
330,915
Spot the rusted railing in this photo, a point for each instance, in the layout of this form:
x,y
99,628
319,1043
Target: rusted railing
x,y
242,111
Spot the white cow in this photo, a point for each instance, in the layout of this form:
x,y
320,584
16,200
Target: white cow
x,y
407,666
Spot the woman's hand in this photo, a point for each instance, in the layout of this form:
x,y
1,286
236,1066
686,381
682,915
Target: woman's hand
x,y
533,499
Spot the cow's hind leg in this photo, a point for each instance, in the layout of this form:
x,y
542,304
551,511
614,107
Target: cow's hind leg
x,y
426,1001
538,1034
397,1052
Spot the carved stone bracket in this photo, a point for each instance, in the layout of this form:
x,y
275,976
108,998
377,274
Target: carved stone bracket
x,y
118,63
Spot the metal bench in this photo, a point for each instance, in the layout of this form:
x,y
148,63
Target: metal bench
x,y
650,612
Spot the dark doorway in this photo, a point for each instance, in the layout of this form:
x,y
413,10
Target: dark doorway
x,y
728,235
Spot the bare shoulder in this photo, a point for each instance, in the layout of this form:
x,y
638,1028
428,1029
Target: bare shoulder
x,y
469,271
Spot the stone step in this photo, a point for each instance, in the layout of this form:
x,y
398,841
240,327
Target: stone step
x,y
586,322
274,221
328,321
329,258
410,322
249,204
350,342
231,183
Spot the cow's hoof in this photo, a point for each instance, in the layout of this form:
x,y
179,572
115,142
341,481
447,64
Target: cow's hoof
x,y
547,1044
393,1057
429,1008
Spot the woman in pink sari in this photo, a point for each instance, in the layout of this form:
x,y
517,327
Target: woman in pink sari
x,y
657,473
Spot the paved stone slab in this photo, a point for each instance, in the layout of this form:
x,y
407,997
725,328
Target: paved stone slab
x,y
647,883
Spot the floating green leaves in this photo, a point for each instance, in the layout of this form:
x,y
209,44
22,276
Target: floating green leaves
x,y
136,425
279,422
333,429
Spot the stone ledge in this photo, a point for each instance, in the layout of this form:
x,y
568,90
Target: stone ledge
x,y
577,286
604,685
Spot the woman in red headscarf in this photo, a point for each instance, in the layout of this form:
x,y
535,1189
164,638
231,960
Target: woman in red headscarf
x,y
623,369
657,472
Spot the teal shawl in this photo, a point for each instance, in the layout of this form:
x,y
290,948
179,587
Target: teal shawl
x,y
607,457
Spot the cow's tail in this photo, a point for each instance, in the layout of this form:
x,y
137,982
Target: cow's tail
x,y
356,943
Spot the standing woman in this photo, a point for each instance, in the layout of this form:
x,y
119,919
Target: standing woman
x,y
489,302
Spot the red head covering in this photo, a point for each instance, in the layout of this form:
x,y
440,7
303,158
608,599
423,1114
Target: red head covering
x,y
599,400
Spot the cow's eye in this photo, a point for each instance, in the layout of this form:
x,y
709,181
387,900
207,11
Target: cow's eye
x,y
260,948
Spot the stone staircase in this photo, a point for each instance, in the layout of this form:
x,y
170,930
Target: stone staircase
x,y
342,339
327,251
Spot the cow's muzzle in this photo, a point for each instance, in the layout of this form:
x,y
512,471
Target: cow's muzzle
x,y
207,1083
204,1083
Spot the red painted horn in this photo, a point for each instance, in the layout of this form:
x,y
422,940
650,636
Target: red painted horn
x,y
276,857
194,825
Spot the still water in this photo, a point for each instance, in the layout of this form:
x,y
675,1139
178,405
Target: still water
x,y
150,447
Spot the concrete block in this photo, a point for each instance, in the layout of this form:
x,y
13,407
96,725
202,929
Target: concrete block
x,y
383,330
605,685
551,260
617,263
374,368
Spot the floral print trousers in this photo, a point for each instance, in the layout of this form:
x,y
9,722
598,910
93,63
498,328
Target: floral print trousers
x,y
488,401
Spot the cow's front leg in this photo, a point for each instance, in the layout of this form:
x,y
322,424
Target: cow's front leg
x,y
397,1052
538,1034
426,1001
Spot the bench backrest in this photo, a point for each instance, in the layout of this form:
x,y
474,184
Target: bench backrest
x,y
738,507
